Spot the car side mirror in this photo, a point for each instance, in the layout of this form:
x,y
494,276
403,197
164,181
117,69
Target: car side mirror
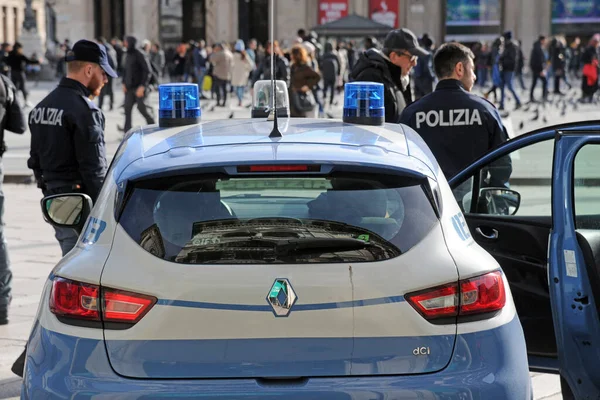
x,y
69,210
498,201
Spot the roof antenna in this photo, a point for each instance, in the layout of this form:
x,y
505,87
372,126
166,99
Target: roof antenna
x,y
275,132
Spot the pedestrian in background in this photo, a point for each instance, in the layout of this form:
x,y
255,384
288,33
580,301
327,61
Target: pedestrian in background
x,y
538,66
178,64
11,119
222,62
330,70
589,80
158,59
303,78
17,62
136,79
574,57
497,49
520,66
508,62
280,64
107,90
242,66
423,72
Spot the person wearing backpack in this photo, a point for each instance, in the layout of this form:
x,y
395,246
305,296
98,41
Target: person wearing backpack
x,y
11,119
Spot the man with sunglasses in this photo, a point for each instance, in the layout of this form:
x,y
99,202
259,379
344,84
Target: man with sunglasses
x,y
391,66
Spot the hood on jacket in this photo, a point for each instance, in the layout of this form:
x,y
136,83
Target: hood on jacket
x,y
131,42
328,48
374,59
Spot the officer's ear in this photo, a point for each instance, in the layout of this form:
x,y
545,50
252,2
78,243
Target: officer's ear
x,y
459,69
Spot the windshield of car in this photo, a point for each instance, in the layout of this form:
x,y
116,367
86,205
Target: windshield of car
x,y
278,219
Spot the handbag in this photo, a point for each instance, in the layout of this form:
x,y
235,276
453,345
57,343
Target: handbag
x,y
303,101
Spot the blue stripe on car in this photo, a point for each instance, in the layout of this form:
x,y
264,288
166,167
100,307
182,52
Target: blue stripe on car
x,y
490,364
267,308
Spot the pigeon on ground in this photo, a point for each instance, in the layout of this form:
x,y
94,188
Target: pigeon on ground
x,y
521,125
536,115
544,120
231,115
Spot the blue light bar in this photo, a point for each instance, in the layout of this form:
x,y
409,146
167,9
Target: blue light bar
x,y
178,104
364,103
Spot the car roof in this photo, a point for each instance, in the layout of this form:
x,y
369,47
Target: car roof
x,y
150,150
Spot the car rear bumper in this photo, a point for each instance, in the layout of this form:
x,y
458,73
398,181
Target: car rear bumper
x,y
486,365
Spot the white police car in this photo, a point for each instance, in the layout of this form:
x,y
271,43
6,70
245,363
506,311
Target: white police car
x,y
223,260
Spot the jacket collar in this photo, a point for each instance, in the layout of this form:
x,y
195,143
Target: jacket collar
x,y
450,84
74,85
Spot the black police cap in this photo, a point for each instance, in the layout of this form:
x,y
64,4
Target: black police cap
x,y
86,50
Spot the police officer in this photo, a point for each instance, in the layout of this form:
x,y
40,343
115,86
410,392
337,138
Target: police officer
x,y
458,126
67,137
67,131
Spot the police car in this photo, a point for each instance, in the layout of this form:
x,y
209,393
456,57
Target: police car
x,y
315,259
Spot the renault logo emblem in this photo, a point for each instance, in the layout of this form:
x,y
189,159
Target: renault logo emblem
x,y
281,297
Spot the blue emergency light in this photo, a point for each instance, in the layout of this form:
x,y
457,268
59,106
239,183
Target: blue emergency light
x,y
178,105
364,103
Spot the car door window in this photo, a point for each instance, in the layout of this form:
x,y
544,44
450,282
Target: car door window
x,y
531,178
587,187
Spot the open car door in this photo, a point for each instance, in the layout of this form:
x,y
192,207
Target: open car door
x,y
543,228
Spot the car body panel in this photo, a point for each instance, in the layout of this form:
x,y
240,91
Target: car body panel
x,y
576,322
346,316
362,322
69,367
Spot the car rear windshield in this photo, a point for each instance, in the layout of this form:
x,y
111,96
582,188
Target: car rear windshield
x,y
278,219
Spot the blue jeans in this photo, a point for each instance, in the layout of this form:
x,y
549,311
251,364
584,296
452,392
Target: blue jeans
x,y
482,76
67,239
239,91
507,80
5,273
200,73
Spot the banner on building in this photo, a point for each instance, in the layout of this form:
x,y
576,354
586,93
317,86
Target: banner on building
x,y
332,10
385,12
575,11
473,13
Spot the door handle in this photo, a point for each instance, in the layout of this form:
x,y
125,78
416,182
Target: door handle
x,y
491,236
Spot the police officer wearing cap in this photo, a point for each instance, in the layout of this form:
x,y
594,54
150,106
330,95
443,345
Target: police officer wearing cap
x,y
67,131
457,125
391,66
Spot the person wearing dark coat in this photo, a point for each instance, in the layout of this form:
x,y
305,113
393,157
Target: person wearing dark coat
x,y
17,61
537,64
136,80
330,69
392,67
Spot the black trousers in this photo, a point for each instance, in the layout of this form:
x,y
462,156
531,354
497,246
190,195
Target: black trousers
x,y
536,76
221,89
130,100
107,90
328,86
19,79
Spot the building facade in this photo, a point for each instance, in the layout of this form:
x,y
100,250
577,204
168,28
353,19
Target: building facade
x,y
174,21
12,14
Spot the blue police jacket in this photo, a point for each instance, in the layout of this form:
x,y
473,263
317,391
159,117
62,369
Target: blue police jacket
x,y
67,139
459,127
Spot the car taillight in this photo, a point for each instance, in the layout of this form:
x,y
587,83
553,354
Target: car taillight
x,y
479,295
74,300
78,300
121,306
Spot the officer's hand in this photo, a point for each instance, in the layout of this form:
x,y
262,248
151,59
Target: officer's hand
x,y
140,92
124,89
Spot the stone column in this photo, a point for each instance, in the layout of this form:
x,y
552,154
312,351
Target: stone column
x,y
30,37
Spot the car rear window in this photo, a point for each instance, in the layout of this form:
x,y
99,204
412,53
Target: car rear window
x,y
278,219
